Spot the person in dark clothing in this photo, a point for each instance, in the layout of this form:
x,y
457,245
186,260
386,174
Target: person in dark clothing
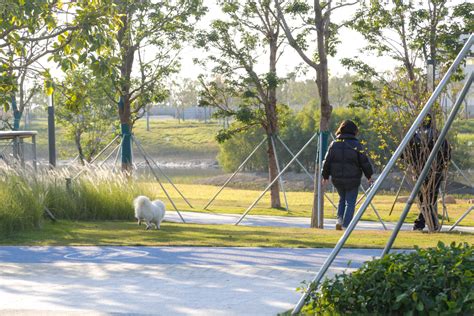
x,y
416,155
345,162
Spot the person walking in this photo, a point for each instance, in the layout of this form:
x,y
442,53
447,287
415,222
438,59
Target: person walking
x,y
415,156
345,162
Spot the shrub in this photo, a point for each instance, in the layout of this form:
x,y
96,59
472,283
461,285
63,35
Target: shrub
x,y
436,281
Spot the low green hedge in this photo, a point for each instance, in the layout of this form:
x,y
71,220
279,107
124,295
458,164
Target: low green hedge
x,y
434,281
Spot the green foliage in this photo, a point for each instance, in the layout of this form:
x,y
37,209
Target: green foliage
x,y
297,128
236,89
433,281
84,108
33,29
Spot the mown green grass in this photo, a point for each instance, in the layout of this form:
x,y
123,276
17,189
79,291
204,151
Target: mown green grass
x,y
190,139
169,137
69,233
236,201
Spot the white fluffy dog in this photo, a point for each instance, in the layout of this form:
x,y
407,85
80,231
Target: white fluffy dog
x,y
151,212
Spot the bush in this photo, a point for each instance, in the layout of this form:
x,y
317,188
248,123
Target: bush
x,y
297,128
436,281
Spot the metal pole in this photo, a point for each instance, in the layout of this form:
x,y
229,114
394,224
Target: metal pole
x,y
119,152
159,181
385,171
429,161
398,193
297,160
51,133
233,175
461,218
375,210
305,170
320,163
96,157
280,180
462,173
163,173
274,180
110,154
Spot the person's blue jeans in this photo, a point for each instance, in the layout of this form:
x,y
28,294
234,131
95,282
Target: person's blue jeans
x,y
346,207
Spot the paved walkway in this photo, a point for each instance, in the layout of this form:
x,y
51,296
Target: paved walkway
x,y
283,221
159,280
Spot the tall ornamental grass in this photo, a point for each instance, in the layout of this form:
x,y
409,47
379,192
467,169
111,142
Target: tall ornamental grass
x,y
97,194
21,203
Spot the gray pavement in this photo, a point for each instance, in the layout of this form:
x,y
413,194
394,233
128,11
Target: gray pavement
x,y
159,280
284,221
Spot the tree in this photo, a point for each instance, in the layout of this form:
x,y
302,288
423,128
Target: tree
x,y
250,26
32,30
86,111
161,25
314,20
411,34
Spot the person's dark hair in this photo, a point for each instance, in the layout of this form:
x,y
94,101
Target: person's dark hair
x,y
347,127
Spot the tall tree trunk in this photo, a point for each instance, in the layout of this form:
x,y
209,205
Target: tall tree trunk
x,y
124,105
272,125
322,81
272,173
126,129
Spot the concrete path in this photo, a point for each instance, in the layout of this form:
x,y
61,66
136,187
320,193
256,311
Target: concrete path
x,y
283,221
159,281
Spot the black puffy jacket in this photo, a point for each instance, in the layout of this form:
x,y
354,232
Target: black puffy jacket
x,y
345,161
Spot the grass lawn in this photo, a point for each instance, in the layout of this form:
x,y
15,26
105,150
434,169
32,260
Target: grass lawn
x,y
300,203
67,233
191,139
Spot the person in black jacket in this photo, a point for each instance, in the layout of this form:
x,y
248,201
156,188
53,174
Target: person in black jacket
x,y
415,156
345,162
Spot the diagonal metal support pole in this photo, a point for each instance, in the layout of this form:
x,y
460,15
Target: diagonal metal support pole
x,y
158,179
97,157
163,173
429,161
408,136
117,148
280,180
462,174
398,193
304,169
235,173
373,208
297,160
461,218
274,180
119,153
